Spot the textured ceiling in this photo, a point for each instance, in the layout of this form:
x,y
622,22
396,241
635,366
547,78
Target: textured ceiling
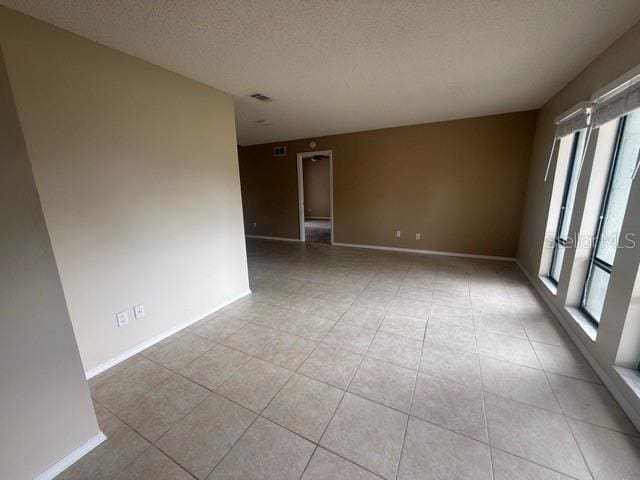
x,y
341,66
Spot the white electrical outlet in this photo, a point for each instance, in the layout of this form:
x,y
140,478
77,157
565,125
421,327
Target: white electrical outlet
x,y
398,233
138,311
255,224
122,318
418,236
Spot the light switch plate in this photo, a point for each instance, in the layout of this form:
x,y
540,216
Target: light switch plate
x,y
138,311
122,318
398,233
418,236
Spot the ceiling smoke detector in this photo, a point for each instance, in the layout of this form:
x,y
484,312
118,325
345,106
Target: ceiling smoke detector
x,y
261,97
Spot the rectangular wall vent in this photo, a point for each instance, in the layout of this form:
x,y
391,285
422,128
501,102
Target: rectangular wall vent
x,y
261,97
279,151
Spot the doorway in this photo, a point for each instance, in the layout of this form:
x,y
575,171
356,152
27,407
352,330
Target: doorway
x,y
315,196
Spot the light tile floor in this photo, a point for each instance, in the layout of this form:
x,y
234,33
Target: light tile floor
x,y
354,364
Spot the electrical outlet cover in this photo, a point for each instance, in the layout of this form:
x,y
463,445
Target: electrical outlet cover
x,y
122,318
138,311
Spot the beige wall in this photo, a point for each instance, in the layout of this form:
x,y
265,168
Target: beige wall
x,y
460,184
45,406
138,176
618,338
316,187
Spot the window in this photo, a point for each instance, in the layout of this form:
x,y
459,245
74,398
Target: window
x,y
613,205
570,185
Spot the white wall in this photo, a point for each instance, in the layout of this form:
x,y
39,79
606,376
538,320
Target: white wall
x,y
45,407
138,176
619,326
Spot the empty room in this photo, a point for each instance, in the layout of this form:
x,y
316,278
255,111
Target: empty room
x,y
320,240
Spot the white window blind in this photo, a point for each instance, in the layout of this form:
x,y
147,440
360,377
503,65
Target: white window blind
x,y
617,102
612,101
578,119
617,99
571,121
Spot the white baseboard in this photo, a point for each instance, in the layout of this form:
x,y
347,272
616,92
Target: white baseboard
x,y
167,333
606,379
72,457
317,218
281,239
425,252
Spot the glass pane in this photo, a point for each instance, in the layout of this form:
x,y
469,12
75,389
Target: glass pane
x,y
572,186
556,262
596,290
620,187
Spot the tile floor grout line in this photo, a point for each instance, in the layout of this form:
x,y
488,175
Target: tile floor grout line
x,y
153,442
219,342
324,431
149,444
317,444
295,372
413,392
566,421
418,372
345,391
383,270
546,467
477,359
174,461
484,413
484,407
219,462
562,409
259,415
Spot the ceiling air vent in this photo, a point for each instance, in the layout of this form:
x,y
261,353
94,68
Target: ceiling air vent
x,y
280,151
261,97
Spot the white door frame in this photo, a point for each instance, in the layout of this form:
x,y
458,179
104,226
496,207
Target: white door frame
x,y
302,155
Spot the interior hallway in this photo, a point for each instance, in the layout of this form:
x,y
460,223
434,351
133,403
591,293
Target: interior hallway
x,y
363,364
318,231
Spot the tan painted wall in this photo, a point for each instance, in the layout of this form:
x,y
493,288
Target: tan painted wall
x,y
611,344
460,184
46,407
317,197
138,176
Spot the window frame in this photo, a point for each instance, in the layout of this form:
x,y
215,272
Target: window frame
x,y
594,261
558,240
